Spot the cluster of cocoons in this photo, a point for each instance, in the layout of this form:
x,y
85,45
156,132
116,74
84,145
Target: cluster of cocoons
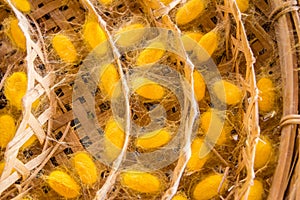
x,y
66,185
141,182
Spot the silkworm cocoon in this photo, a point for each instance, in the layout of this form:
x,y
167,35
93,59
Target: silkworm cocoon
x,y
64,48
166,2
208,42
114,139
105,2
7,129
22,5
151,54
63,184
94,35
267,94
199,85
208,187
108,80
85,168
180,197
263,153
15,87
190,40
2,165
154,139
29,142
148,89
243,5
213,127
195,163
130,34
16,34
189,11
142,182
256,191
227,92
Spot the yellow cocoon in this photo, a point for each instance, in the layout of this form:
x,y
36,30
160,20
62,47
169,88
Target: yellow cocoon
x,y
212,125
64,48
7,129
63,184
130,34
263,153
166,2
267,95
243,5
114,139
208,187
151,54
94,35
15,87
227,92
180,197
108,80
105,2
2,165
154,139
195,163
29,142
22,5
256,191
190,40
142,182
85,168
148,89
16,34
199,85
189,11
208,42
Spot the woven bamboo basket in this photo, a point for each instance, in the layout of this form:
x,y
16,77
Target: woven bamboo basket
x,y
260,42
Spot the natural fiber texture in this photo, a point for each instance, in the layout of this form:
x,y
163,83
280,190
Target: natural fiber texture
x,y
261,42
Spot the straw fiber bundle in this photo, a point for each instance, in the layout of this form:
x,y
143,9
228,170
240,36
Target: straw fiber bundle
x,y
149,99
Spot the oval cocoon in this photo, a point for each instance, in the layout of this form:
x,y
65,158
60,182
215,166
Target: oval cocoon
x,y
256,191
153,139
148,89
85,168
141,181
64,48
16,34
93,34
108,80
105,2
189,11
29,142
267,95
195,163
243,5
15,87
63,184
208,187
214,128
7,129
114,133
151,54
209,43
130,34
190,40
227,92
22,5
263,153
179,197
199,85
